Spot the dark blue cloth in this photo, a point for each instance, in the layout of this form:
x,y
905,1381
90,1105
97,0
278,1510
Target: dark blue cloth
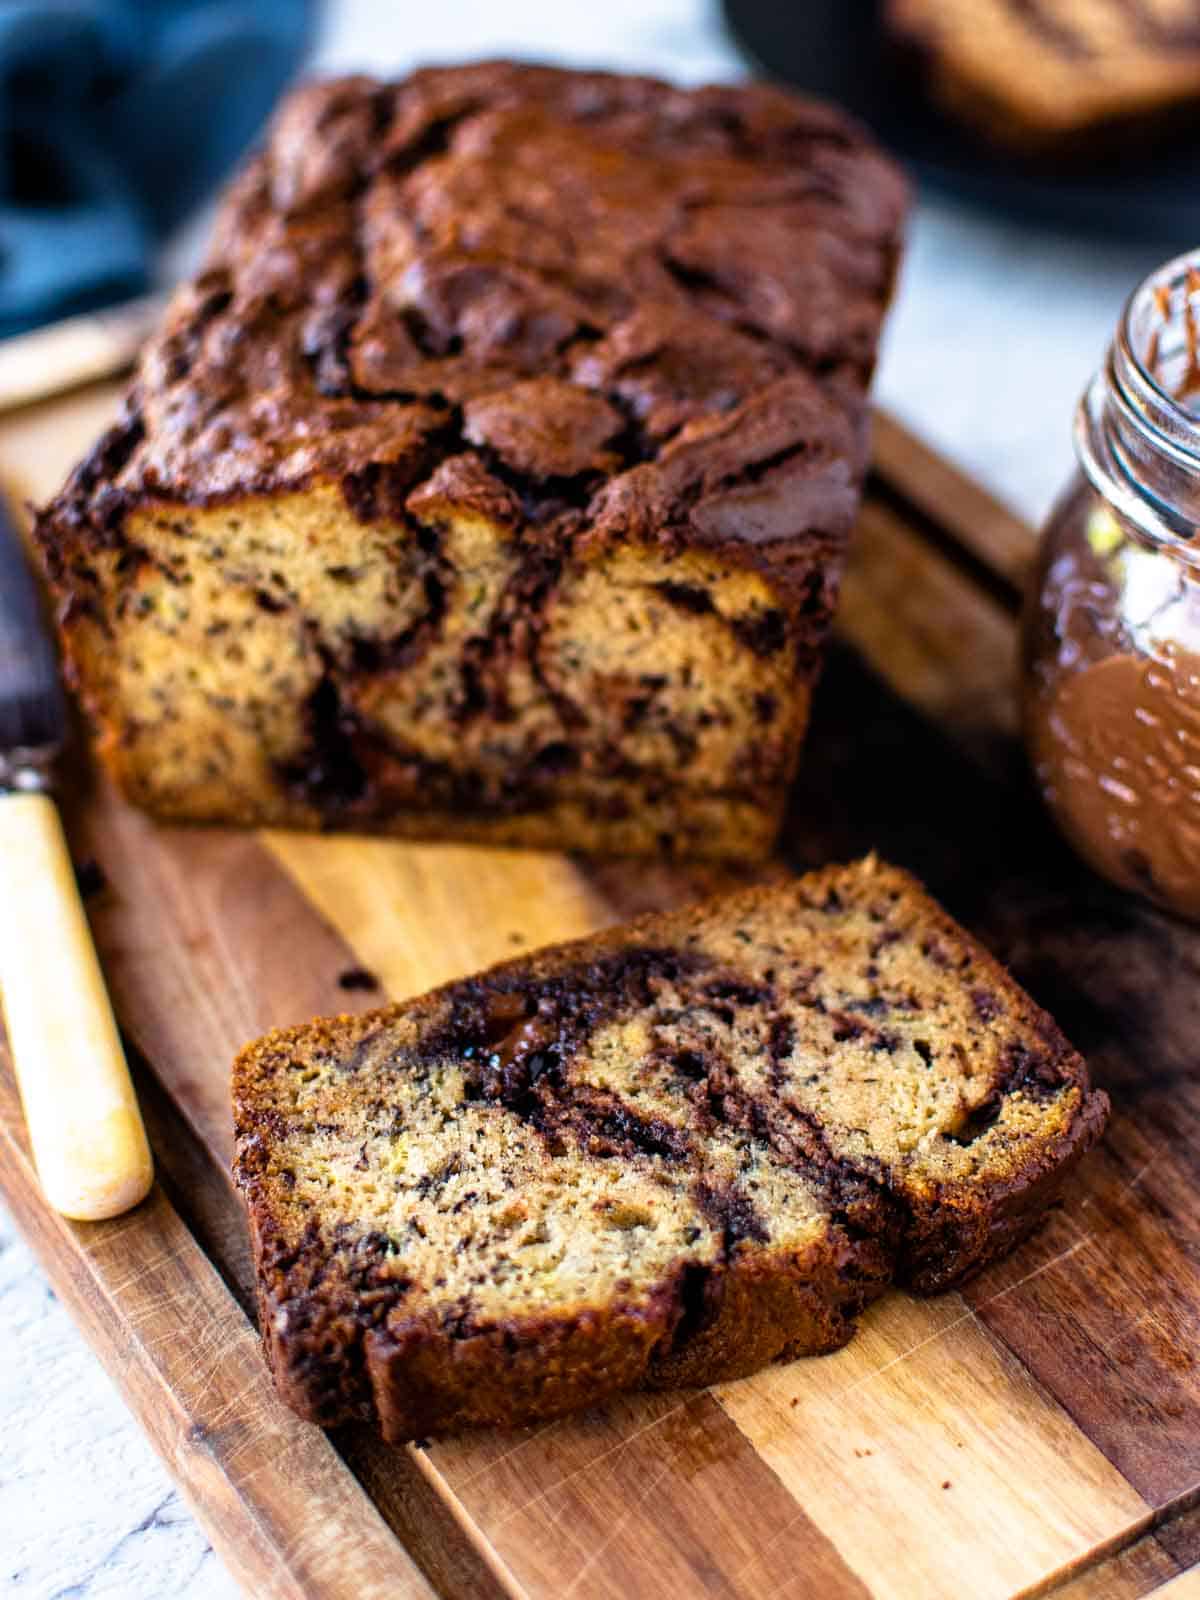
x,y
116,116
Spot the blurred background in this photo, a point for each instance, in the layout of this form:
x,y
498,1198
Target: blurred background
x,y
119,119
1004,308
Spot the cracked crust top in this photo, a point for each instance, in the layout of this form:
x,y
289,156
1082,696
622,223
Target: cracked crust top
x,y
601,293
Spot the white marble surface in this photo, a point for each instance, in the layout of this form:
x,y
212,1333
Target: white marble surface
x,y
996,331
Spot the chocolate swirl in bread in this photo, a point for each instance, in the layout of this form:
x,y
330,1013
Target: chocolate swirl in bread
x,y
663,1155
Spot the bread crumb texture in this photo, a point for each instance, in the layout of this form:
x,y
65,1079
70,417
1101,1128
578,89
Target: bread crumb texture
x,y
664,1155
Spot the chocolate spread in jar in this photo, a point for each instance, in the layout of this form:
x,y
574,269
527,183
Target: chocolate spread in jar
x,y
1113,708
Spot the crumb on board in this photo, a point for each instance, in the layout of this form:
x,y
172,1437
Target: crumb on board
x,y
89,877
357,978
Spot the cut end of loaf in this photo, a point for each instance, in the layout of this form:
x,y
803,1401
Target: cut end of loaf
x,y
665,1155
440,673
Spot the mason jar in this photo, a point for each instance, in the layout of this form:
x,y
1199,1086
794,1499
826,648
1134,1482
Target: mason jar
x,y
1111,636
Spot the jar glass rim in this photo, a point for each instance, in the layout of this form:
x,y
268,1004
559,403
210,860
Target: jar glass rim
x,y
1164,307
1136,438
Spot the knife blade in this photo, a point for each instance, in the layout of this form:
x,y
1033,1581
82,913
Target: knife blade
x,y
85,1129
33,716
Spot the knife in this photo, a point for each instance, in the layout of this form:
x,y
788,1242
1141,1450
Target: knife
x,y
86,1131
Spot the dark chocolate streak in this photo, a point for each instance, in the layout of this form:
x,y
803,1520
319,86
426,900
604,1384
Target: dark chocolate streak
x,y
733,1213
686,597
1036,1074
517,1046
351,770
516,1042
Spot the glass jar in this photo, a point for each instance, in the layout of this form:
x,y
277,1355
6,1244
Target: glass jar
x,y
1111,637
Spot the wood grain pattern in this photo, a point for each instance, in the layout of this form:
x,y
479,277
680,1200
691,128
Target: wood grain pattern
x,y
1040,1431
929,633
953,508
1185,1587
651,1485
1138,1569
424,914
1179,1532
987,1436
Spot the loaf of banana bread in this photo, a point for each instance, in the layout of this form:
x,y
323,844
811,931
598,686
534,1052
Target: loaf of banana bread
x,y
664,1155
1049,76
493,479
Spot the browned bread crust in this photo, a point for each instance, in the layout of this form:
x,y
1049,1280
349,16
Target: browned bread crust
x,y
664,1155
1070,77
494,478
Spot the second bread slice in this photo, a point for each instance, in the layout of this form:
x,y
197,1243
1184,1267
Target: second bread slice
x,y
664,1155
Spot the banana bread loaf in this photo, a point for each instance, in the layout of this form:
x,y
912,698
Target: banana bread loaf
x,y
664,1155
1057,76
493,480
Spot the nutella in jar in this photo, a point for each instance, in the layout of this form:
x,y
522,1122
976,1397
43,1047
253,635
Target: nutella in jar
x,y
1112,623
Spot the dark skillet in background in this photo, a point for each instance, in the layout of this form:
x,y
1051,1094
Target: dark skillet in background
x,y
835,48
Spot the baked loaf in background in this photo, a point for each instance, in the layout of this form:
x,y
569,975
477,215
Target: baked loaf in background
x,y
1057,76
664,1155
494,478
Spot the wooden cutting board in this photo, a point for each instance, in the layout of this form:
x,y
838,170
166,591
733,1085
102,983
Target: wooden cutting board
x,y
1038,1432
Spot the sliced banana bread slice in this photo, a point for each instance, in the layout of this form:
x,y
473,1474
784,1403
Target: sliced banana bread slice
x,y
664,1155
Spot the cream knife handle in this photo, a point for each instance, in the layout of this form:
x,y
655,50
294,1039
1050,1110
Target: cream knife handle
x,y
83,1119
